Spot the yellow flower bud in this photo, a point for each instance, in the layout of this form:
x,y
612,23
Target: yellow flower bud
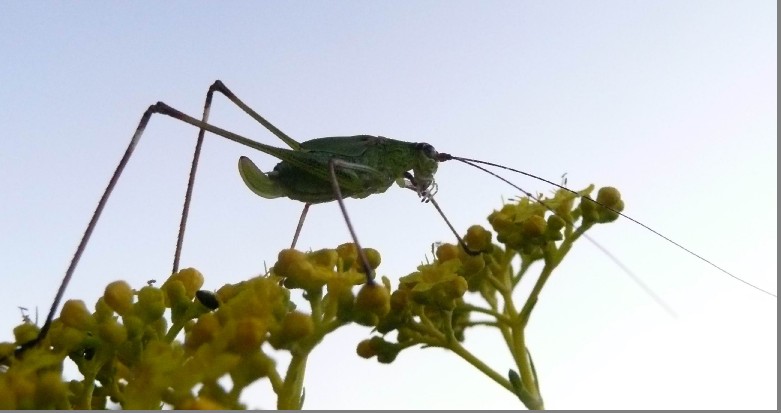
x,y
373,256
400,299
6,350
348,253
366,349
25,332
478,238
176,293
191,278
447,252
75,314
228,291
534,226
556,223
134,326
249,335
457,287
204,330
286,259
297,325
119,296
502,220
112,332
67,338
151,303
302,274
611,198
325,258
103,311
373,298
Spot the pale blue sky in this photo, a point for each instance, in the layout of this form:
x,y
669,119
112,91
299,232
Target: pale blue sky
x,y
672,102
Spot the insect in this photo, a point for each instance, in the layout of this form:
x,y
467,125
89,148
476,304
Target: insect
x,y
317,171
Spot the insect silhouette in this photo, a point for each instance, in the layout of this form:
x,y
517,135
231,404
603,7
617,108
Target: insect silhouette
x,y
319,171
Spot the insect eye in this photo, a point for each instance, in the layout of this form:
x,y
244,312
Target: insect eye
x,y
427,150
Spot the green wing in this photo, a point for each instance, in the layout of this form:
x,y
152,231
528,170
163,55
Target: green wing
x,y
354,146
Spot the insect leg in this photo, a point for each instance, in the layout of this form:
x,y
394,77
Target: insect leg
x,y
332,163
191,182
220,87
88,232
160,108
429,197
300,224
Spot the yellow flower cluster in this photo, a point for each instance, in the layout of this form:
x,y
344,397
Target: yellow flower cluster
x,y
431,307
129,353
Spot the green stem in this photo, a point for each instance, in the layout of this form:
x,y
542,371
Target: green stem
x,y
276,381
173,332
85,401
525,264
528,378
481,323
500,318
514,334
431,329
553,257
289,398
496,283
290,391
315,300
478,364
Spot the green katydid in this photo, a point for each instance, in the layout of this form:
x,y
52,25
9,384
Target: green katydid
x,y
318,171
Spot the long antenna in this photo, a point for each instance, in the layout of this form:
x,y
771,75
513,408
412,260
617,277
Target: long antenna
x,y
643,286
472,162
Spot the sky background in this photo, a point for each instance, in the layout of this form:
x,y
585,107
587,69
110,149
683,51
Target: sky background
x,y
672,102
